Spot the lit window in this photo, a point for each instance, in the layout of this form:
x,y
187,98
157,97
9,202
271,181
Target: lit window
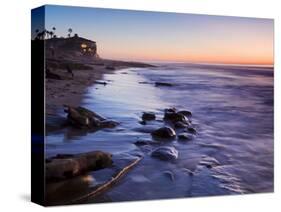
x,y
83,46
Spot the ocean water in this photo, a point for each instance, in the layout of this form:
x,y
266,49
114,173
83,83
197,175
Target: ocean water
x,y
232,109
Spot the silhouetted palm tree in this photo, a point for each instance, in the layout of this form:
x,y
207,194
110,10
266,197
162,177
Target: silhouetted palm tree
x,y
40,35
51,34
54,30
70,31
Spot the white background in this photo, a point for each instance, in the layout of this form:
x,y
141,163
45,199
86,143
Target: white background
x,y
15,104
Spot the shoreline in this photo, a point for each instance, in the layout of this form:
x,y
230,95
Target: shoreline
x,y
70,91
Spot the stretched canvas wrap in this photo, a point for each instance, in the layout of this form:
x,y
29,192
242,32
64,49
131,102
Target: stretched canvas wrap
x,y
137,105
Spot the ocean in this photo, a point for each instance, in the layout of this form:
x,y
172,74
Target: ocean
x,y
232,111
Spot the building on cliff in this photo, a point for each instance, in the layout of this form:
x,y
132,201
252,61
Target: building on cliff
x,y
59,48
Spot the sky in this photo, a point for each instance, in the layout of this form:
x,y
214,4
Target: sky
x,y
171,37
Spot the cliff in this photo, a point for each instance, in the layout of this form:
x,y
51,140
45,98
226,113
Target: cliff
x,y
70,48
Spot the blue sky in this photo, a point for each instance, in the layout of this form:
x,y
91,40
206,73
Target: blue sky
x,y
157,36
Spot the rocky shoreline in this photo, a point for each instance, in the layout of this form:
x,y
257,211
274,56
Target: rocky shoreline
x,y
66,82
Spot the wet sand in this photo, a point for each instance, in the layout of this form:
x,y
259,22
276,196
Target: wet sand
x,y
70,91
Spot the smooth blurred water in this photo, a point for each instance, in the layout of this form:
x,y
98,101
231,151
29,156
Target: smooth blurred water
x,y
232,111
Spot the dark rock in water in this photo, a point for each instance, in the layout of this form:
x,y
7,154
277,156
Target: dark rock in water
x,y
180,125
164,132
148,116
83,118
101,82
175,117
170,110
185,113
142,122
143,82
67,166
87,112
165,153
110,67
108,124
142,142
163,84
192,130
185,137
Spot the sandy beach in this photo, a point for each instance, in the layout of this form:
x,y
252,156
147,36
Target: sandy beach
x,y
70,91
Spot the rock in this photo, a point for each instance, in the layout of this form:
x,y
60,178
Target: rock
x,y
83,118
163,84
164,132
148,116
185,137
180,125
185,112
80,121
110,67
67,166
58,75
165,153
175,117
171,110
87,112
101,82
142,122
143,82
191,130
142,142
108,124
52,75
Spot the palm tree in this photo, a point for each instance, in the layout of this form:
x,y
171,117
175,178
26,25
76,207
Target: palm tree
x,y
70,31
51,34
54,30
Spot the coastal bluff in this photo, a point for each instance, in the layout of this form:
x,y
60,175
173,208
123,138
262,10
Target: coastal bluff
x,y
70,48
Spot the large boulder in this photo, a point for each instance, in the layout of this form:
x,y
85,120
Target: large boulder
x,y
66,166
81,117
165,153
164,132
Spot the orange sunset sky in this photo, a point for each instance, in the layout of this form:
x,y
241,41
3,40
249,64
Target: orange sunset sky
x,y
173,37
